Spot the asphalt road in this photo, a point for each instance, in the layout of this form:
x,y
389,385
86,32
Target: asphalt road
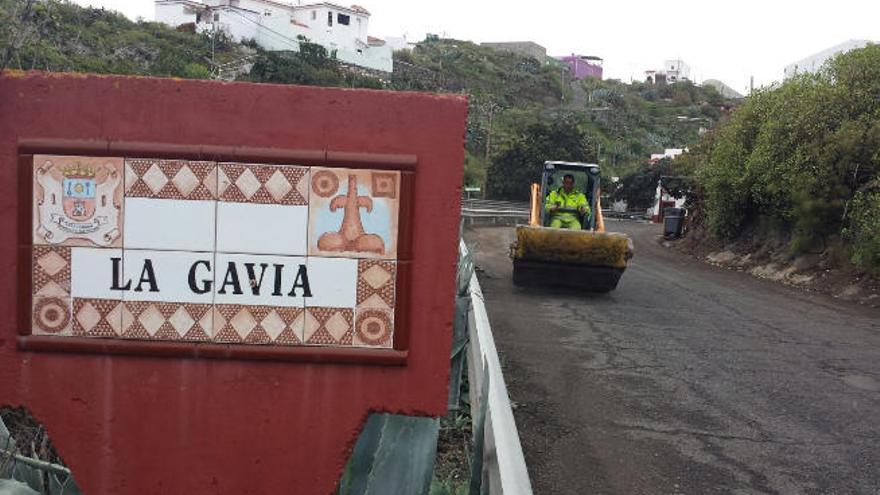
x,y
686,379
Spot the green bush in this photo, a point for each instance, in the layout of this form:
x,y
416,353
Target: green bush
x,y
863,229
794,156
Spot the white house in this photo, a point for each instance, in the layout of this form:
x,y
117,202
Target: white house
x,y
676,70
814,62
277,25
399,43
673,71
667,153
662,199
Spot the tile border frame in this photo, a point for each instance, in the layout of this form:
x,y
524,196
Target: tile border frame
x,y
25,245
397,355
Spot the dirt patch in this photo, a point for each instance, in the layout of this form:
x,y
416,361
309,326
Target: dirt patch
x,y
452,465
768,257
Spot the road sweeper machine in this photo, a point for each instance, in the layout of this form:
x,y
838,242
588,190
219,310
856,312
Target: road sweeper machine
x,y
589,258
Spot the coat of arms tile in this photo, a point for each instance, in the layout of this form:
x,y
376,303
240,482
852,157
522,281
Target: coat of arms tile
x,y
78,200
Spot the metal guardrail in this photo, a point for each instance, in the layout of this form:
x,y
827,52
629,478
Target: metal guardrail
x,y
503,466
479,211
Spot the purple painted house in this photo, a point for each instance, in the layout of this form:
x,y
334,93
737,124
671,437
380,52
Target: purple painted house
x,y
582,66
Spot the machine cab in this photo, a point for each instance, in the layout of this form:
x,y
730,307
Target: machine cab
x,y
586,180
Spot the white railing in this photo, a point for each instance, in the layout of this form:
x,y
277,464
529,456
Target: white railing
x,y
504,467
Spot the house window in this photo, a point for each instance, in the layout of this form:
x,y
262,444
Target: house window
x,y
330,19
217,17
314,15
342,19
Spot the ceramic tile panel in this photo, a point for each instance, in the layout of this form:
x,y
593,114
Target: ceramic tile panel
x,y
229,253
262,228
78,201
353,213
264,184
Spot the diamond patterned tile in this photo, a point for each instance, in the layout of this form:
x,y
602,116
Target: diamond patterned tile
x,y
51,270
96,317
266,184
375,285
151,320
170,179
328,326
235,323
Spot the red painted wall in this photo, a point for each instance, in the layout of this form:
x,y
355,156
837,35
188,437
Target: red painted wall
x,y
141,424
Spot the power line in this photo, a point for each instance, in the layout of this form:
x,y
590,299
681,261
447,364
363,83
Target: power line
x,y
292,42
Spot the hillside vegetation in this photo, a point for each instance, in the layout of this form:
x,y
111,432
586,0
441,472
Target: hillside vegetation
x,y
801,160
511,97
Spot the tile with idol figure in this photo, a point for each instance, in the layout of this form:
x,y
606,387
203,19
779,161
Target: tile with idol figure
x,y
353,213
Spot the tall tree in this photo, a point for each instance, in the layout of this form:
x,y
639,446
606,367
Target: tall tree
x,y
523,149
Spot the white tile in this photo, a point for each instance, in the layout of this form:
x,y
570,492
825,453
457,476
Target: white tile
x,y
91,272
169,224
260,280
333,282
165,276
262,229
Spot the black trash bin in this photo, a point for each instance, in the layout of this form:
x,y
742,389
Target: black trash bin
x,y
673,222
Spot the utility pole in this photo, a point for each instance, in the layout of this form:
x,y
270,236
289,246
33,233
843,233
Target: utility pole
x,y
489,131
562,80
490,108
213,37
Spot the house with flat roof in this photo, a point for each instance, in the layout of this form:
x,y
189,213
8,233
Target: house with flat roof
x,y
277,26
583,66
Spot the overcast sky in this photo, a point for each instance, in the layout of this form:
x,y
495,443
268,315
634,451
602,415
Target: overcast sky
x,y
728,41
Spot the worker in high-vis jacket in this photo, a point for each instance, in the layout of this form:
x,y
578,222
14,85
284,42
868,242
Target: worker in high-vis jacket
x,y
562,203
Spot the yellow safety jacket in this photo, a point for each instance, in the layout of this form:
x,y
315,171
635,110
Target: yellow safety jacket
x,y
572,201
